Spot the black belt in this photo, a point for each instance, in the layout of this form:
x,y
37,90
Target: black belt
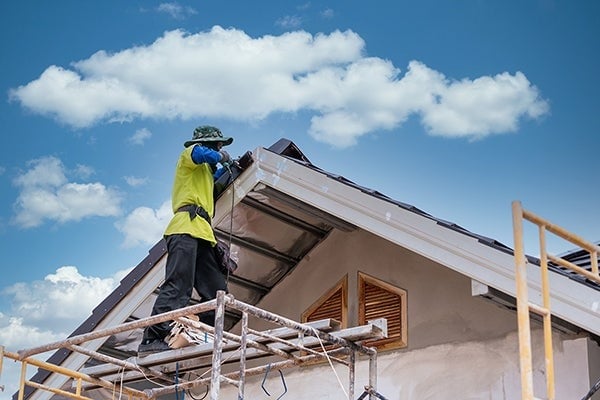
x,y
194,210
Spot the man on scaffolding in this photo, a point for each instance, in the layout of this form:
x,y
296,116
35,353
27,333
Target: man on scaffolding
x,y
191,261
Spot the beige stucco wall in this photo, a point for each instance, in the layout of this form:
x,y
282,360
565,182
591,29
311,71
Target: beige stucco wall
x,y
471,370
440,306
459,346
594,363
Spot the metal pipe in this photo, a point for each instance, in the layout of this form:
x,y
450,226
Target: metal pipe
x,y
236,338
294,345
351,375
215,381
120,363
243,346
141,323
373,373
157,392
306,329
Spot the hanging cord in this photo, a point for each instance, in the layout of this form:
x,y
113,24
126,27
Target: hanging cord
x,y
146,376
329,360
177,373
122,369
227,166
198,377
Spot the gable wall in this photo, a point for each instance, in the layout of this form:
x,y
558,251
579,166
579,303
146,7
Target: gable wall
x,y
457,344
440,306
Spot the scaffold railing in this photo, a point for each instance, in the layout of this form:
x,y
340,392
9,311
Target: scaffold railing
x,y
524,307
294,343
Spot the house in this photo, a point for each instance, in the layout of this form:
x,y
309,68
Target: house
x,y
312,245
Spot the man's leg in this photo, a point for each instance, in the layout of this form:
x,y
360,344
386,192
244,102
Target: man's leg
x,y
209,278
176,291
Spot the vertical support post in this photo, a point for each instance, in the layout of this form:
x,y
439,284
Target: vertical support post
x,y
22,381
215,379
547,317
78,387
373,373
243,343
522,304
594,259
1,359
351,374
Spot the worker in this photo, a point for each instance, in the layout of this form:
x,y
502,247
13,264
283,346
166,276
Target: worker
x,y
190,239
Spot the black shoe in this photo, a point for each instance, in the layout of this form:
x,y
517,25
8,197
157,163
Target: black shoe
x,y
155,346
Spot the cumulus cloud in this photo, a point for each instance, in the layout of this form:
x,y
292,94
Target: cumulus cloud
x,y
140,136
58,303
49,310
46,194
224,73
144,225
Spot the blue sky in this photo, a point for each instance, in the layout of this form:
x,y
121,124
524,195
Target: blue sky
x,y
456,107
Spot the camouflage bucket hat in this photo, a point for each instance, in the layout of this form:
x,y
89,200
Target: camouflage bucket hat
x,y
203,134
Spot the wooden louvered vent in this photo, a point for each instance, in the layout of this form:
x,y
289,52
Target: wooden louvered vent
x,y
331,308
334,304
378,299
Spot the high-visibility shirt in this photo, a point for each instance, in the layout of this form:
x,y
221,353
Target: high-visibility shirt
x,y
193,184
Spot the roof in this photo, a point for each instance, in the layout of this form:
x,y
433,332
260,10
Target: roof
x,y
282,206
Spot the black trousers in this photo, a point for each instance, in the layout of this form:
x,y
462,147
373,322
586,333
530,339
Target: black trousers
x,y
190,264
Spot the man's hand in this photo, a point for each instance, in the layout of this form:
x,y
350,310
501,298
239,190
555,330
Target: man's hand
x,y
225,158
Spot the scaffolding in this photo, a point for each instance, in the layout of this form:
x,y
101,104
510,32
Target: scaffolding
x,y
292,343
524,307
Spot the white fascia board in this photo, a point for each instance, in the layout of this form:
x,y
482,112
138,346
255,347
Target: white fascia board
x,y
235,192
570,300
116,316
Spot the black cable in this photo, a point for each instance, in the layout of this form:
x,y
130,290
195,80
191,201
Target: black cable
x,y
189,393
230,217
198,398
593,390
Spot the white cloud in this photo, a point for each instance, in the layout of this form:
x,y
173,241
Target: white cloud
x,y
175,10
328,13
59,302
289,22
46,194
47,311
224,73
84,171
145,226
140,136
133,181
